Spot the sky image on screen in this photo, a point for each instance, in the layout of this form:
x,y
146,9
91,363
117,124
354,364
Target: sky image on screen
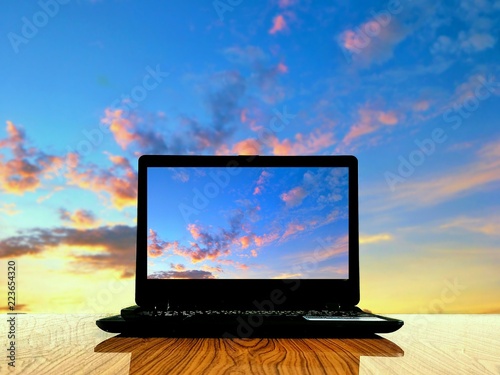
x,y
257,223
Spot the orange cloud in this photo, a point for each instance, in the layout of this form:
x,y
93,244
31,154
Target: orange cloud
x,y
481,174
291,229
120,127
294,196
119,181
197,254
370,121
212,269
279,24
232,263
245,241
157,247
80,218
489,226
247,147
303,144
25,170
194,230
177,267
265,239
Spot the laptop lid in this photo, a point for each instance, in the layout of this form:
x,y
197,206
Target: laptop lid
x,y
259,232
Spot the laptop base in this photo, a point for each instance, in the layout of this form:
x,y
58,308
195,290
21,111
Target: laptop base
x,y
247,326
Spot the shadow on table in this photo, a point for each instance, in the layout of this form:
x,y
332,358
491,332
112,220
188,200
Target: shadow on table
x,y
255,355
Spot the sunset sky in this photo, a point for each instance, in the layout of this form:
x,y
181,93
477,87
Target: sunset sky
x,y
411,88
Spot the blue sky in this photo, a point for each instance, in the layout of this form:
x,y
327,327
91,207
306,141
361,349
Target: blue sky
x,y
258,223
409,87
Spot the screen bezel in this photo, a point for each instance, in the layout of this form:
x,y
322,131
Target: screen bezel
x,y
269,294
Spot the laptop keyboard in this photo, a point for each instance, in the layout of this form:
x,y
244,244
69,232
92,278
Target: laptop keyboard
x,y
158,314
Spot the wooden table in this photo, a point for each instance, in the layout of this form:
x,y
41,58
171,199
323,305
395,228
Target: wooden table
x,y
427,344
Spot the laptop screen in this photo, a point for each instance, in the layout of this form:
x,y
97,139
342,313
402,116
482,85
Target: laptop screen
x,y
276,222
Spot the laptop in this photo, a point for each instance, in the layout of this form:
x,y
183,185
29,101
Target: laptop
x,y
247,246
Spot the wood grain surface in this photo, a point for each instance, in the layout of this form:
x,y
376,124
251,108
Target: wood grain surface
x,y
427,344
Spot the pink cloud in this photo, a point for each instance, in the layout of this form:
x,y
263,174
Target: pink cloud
x,y
232,263
194,230
177,267
422,105
369,122
292,228
194,252
294,197
332,247
282,68
210,244
387,118
279,24
80,218
286,3
481,174
303,144
372,41
245,241
119,181
197,254
262,179
247,147
265,239
243,115
489,225
121,128
156,247
211,269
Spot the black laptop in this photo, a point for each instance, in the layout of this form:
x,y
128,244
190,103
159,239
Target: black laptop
x,y
247,246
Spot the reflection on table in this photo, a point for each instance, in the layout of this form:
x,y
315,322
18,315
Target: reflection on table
x,y
427,344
